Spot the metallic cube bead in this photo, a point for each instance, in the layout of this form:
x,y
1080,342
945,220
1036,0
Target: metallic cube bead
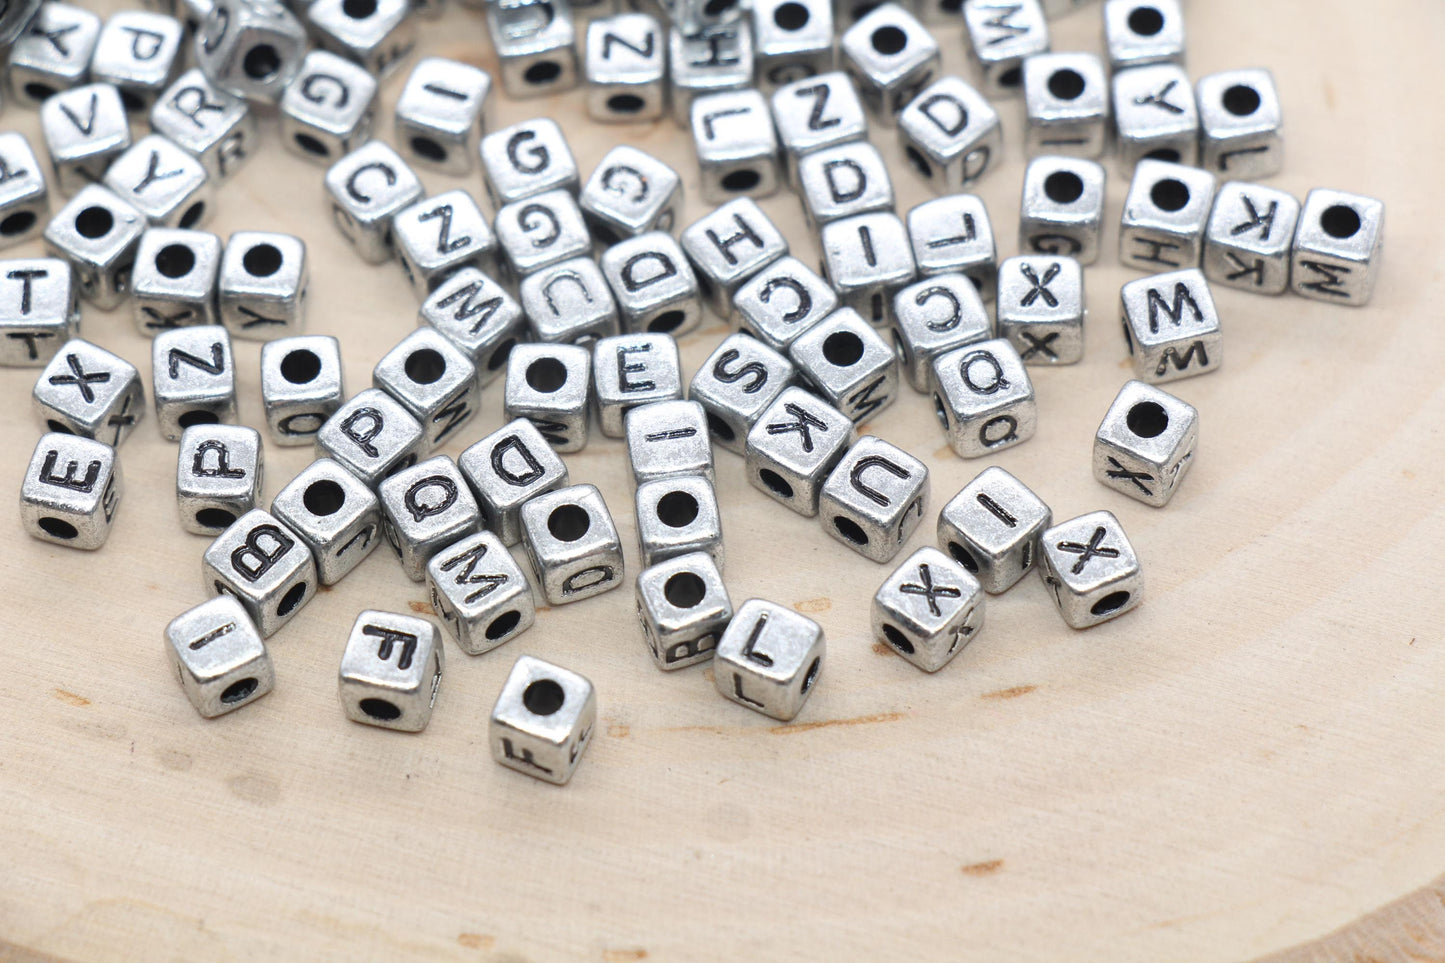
x,y
263,284
377,34
694,15
874,498
440,235
950,134
678,516
984,398
505,469
543,720
535,41
653,284
87,391
540,231
433,380
163,182
328,109
193,378
1041,308
372,436
479,317
792,40
85,128
666,439
219,657
816,113
1249,237
551,386
1337,247
97,233
630,370
630,193
265,566
737,147
572,544
24,198
727,246
193,13
16,19
425,508
710,61
527,159
569,303
928,609
175,279
1145,444
1002,35
683,607
736,384
953,234
440,114
793,448
868,259
1240,124
891,56
39,310
137,51
390,671
769,658
626,68
933,317
219,473
1090,569
251,48
1139,32
838,182
217,127
782,301
1165,216
1155,115
848,363
1062,209
1066,98
992,528
53,54
301,386
71,491
1171,327
334,513
367,188
480,593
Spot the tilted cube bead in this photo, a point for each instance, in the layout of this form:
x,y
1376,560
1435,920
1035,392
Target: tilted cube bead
x,y
71,491
551,386
569,302
163,182
193,379
216,126
535,42
1090,569
543,720
219,657
1041,308
1165,216
984,398
1146,443
891,57
377,34
506,469
1337,247
390,671
301,386
527,159
334,513
540,231
572,544
631,370
792,39
1171,327
668,438
439,236
1138,32
1155,115
874,498
816,113
729,245
1240,124
950,134
372,436
478,316
219,473
440,114
263,284
928,609
251,48
783,301
794,446
328,109
737,147
954,234
432,380
367,188
626,68
137,51
653,284
849,364
709,61
844,180
992,528
933,317
683,607
736,384
425,508
769,659
87,391
53,53
39,310
97,233
24,197
1066,97
263,565
630,193
480,593
85,129
1001,37
868,259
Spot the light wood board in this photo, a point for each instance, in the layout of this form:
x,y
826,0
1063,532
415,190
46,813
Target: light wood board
x,y
1249,762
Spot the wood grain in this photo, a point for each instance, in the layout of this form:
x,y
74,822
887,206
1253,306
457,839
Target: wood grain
x,y
1249,763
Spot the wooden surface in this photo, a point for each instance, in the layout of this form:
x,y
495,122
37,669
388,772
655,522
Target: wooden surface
x,y
1250,762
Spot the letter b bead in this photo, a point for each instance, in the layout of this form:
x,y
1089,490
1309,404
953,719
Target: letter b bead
x,y
769,658
265,566
543,720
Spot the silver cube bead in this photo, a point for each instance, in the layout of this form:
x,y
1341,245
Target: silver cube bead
x,y
87,391
1002,35
193,379
540,231
736,384
163,182
439,236
216,126
1090,569
992,528
433,380
792,40
334,513
71,491
372,436
16,19
251,48
1066,99
367,188
440,114
769,658
507,468
630,370
377,34
653,284
39,310
668,438
950,134
953,234
479,317
848,363
630,193
390,671
841,181
569,302
891,56
543,720
85,129
737,147
874,498
928,609
480,593
572,544
535,41
1165,216
24,198
175,279
712,60
794,446
868,259
727,246
219,473
816,113
932,317
263,565
263,284
1171,327
1139,32
684,608
1337,247
138,51
1041,308
550,385
677,516
425,508
1249,238
1240,123
219,657
301,386
984,398
1155,115
53,54
97,233
1062,209
527,159
626,68
783,301
328,109
1145,444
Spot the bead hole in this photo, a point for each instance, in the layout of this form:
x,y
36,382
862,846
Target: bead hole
x,y
1066,84
1146,21
716,8
667,321
546,375
1340,221
311,145
425,366
324,497
300,366
888,40
919,162
1011,77
677,509
1241,100
499,357
719,428
175,260
775,482
1167,154
358,9
684,590
502,625
428,148
39,91
850,530
742,180
568,523
897,639
791,16
543,697
1064,187
57,528
261,62
193,214
262,260
1148,419
215,518
843,348
1169,194
198,417
625,103
94,222
238,691
291,599
963,557
542,72
380,709
18,223
1112,602
812,675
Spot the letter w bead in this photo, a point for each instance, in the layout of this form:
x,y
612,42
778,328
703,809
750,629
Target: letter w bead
x,y
468,575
